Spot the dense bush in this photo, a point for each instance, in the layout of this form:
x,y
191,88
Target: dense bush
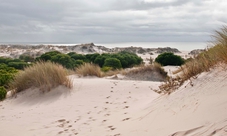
x,y
6,74
15,63
112,62
26,58
168,58
127,59
2,93
72,59
57,57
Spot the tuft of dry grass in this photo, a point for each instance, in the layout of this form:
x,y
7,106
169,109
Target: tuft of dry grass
x,y
206,60
152,72
89,69
43,75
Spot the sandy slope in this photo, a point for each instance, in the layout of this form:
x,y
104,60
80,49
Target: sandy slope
x,y
104,107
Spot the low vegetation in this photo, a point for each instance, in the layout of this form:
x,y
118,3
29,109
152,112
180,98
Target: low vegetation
x,y
15,63
72,59
169,58
89,69
2,93
153,72
6,74
42,75
217,54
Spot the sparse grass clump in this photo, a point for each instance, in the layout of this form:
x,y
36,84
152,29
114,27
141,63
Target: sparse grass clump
x,y
152,72
209,58
89,69
43,75
206,60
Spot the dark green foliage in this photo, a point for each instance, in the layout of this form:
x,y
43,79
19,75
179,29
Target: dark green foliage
x,y
2,93
47,56
168,58
100,60
76,56
92,57
112,62
6,74
26,58
72,59
64,60
126,59
78,63
16,63
129,59
60,58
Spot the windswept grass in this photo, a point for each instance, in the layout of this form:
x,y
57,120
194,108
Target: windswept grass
x,y
89,69
43,75
217,54
209,58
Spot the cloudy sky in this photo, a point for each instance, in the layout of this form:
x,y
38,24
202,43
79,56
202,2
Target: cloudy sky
x,y
107,21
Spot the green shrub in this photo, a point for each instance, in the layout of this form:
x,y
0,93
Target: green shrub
x,y
112,62
26,58
3,93
18,65
6,74
168,58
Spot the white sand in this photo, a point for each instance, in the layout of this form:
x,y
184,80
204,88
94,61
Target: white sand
x,y
104,107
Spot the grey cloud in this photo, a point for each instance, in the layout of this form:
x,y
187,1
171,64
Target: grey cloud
x,y
109,21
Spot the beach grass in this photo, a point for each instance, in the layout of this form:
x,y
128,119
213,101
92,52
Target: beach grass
x,y
152,72
42,75
89,69
211,57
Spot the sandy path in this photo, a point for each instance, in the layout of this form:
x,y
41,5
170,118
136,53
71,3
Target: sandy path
x,y
94,107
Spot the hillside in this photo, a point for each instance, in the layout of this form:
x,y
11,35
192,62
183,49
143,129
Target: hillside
x,y
14,51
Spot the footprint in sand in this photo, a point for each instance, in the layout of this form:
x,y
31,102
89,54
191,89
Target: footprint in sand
x,y
107,115
125,119
117,134
66,126
126,107
104,121
108,97
89,112
111,128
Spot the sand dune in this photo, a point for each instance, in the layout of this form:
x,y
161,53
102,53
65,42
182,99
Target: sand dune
x,y
107,107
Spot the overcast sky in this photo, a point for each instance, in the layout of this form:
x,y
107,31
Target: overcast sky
x,y
107,21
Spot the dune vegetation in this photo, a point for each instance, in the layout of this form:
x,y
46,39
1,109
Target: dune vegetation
x,y
42,75
152,72
211,57
89,69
